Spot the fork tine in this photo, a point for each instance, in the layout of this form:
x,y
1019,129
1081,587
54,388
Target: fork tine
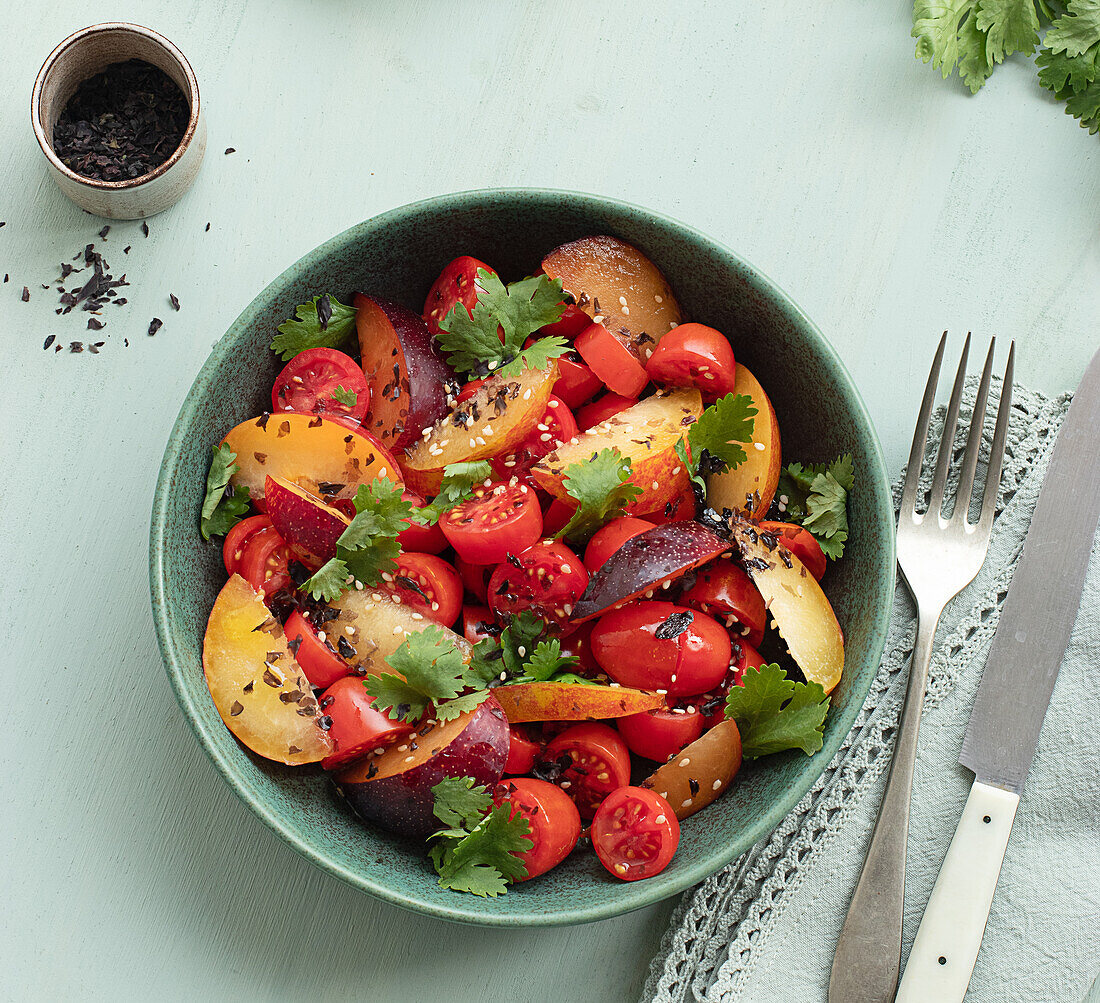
x,y
947,440
997,450
974,441
920,435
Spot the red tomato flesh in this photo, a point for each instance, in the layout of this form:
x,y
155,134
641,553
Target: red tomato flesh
x,y
429,585
601,409
457,283
723,590
660,734
263,562
546,578
694,355
522,750
309,380
478,624
713,704
420,539
607,539
800,542
356,727
320,660
594,761
553,820
611,361
573,321
237,539
499,520
635,833
576,382
475,577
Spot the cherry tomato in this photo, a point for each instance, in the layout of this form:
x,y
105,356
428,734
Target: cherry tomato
x,y
237,539
547,578
611,360
651,644
635,833
713,704
556,426
594,761
601,409
320,660
681,508
800,542
693,355
478,624
573,321
420,539
660,734
607,539
522,750
263,562
457,283
578,642
576,382
557,515
428,584
499,520
552,817
356,727
475,577
723,590
309,381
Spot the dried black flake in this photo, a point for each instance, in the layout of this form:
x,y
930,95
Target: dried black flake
x,y
103,233
6,276
207,230
126,249
155,325
145,228
295,644
236,708
329,488
372,770
89,253
770,540
174,300
785,557
76,347
756,564
694,785
402,710
271,679
324,722
344,647
291,696
229,150
675,625
49,341
412,585
299,573
126,342
94,324
94,349
26,297
426,730
324,311
293,750
327,701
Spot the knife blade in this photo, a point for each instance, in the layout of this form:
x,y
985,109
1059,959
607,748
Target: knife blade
x,y
1042,601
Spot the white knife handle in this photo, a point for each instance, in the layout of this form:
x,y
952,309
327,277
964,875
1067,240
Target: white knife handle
x,y
946,946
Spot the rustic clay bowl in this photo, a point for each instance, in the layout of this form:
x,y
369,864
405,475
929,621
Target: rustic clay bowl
x,y
397,255
84,54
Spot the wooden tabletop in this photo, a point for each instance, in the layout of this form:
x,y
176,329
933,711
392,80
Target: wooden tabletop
x,y
890,204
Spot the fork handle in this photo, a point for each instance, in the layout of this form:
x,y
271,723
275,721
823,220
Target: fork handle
x,y
868,954
942,958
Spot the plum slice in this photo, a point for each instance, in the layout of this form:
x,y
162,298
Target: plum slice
x,y
698,774
648,562
394,789
309,526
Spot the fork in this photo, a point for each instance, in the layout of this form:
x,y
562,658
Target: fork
x,y
939,556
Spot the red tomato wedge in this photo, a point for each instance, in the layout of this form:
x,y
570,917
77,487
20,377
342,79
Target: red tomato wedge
x,y
573,321
593,761
576,381
723,590
522,750
311,380
499,520
608,539
475,577
546,578
420,539
316,653
237,539
553,820
478,624
457,283
660,734
601,409
263,563
355,727
611,361
635,833
800,542
427,585
694,355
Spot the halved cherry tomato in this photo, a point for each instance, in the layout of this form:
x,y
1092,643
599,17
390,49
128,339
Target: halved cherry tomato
x,y
320,660
635,833
237,539
601,409
578,642
800,542
263,563
356,727
557,515
722,589
576,382
594,761
475,577
429,585
651,644
309,380
694,355
681,508
573,321
547,578
611,360
713,704
660,734
478,624
498,521
420,539
556,426
607,539
522,750
457,283
552,817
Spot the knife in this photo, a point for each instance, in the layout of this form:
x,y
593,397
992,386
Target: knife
x,y
1012,699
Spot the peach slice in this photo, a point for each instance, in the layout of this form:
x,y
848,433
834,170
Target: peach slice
x,y
602,272
550,701
258,688
801,611
498,416
309,526
751,486
326,458
647,433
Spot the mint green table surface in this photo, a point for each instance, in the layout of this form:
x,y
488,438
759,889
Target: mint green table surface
x,y
889,204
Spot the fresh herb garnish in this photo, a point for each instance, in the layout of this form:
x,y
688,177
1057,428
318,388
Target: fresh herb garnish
x,y
524,653
221,511
316,324
476,851
774,713
459,481
817,498
716,438
345,397
602,490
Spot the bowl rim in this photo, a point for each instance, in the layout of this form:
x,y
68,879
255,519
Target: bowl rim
x,y
630,896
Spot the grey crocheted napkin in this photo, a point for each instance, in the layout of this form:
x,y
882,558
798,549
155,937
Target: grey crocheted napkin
x,y
765,928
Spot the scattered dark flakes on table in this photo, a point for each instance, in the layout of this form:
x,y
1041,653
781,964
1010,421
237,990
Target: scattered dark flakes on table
x,y
126,342
66,269
76,346
103,233
126,249
94,349
94,324
207,228
59,310
229,150
5,276
89,253
145,228
45,285
57,348
155,325
3,224
49,341
26,297
175,301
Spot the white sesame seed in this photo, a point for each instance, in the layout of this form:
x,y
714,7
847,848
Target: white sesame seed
x,y
397,630
660,819
568,609
551,403
527,394
358,585
566,568
622,301
487,429
672,678
686,804
565,785
382,473
409,759
402,748
542,428
445,442
493,365
716,785
649,353
387,577
614,686
625,310
503,676
759,446
545,437
656,485
321,636
396,598
686,761
376,596
349,630
658,298
473,442
783,499
621,868
666,585
435,607
574,441
672,324
598,319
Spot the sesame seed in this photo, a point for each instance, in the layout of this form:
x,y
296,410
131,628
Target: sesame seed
x,y
542,428
445,442
358,585
473,442
566,568
493,365
759,446
396,598
387,577
376,596
435,607
382,472
672,324
527,394
565,785
686,761
660,819
503,676
622,301
568,609
349,630
683,804
658,298
487,429
656,485
783,499
672,678
417,616
614,685
551,403
625,310
522,651
402,748
666,585
409,759
321,636
620,868
545,437
397,630
716,785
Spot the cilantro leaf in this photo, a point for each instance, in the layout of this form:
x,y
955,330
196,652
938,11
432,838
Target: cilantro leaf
x,y
817,498
1009,26
323,322
345,397
328,582
1059,71
1077,30
459,481
1069,64
537,356
547,660
459,803
221,511
947,34
774,713
519,639
689,464
602,489
720,430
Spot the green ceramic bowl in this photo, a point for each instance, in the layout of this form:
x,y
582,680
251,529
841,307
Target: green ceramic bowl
x,y
397,255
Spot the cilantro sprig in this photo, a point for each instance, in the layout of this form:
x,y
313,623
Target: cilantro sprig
x,y
602,489
774,713
472,339
459,481
476,850
222,507
345,397
524,653
817,498
323,322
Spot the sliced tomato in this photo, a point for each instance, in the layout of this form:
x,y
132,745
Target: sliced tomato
x,y
263,563
552,817
427,584
601,409
607,539
694,355
420,539
588,762
576,382
722,589
578,642
237,539
316,652
635,833
713,704
556,426
556,516
680,509
800,542
522,750
355,727
468,390
478,624
457,283
611,360
475,577
309,382
660,734
573,321
546,578
497,521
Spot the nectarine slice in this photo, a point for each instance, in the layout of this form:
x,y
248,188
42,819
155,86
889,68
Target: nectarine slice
x,y
550,701
309,526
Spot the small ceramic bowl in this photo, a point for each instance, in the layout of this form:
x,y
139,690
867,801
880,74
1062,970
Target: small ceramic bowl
x,y
397,255
84,54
